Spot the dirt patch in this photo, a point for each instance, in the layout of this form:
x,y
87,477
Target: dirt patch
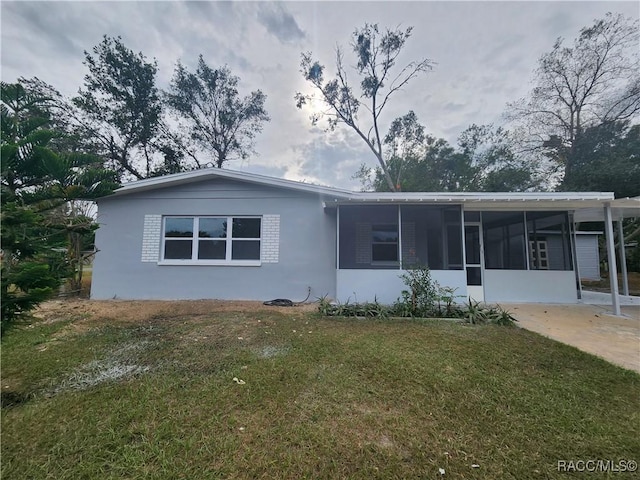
x,y
135,311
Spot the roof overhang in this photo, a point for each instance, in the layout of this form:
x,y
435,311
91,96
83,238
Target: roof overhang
x,y
620,208
213,173
487,200
588,206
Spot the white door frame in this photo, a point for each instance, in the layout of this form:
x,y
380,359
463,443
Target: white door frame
x,y
475,292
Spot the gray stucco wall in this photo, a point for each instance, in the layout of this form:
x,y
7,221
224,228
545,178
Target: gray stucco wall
x,y
306,255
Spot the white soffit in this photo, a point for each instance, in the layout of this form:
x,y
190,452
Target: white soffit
x,y
620,208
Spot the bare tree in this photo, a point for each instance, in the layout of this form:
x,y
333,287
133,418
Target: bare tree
x,y
376,55
595,82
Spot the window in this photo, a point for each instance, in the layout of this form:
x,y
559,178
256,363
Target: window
x,y
384,243
538,258
212,240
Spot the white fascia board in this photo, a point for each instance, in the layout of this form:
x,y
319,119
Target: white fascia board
x,y
484,196
489,201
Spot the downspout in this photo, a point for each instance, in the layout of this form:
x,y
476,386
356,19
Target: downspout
x,y
611,256
623,259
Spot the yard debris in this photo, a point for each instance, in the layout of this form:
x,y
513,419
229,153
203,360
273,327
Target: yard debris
x,y
475,465
279,302
441,470
238,381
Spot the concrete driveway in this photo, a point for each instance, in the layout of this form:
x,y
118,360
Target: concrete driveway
x,y
591,328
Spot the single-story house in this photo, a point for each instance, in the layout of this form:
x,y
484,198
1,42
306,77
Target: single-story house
x,y
222,234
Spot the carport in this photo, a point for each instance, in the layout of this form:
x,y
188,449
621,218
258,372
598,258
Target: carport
x,y
614,211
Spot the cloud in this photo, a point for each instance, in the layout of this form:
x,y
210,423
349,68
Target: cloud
x,y
280,23
331,158
486,53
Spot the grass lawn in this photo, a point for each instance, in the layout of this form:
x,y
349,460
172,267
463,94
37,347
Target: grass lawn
x,y
95,395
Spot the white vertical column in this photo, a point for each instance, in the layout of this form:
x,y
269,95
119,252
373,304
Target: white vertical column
x,y
623,260
337,239
574,254
399,238
611,256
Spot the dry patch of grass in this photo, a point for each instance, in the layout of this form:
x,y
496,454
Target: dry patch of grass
x,y
603,284
238,390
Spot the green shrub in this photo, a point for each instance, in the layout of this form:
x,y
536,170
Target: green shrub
x,y
421,296
424,298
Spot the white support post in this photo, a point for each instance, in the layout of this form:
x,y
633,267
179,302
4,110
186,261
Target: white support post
x,y
623,259
574,254
399,237
611,256
337,239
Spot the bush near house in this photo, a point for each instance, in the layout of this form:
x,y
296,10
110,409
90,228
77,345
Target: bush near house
x,y
423,298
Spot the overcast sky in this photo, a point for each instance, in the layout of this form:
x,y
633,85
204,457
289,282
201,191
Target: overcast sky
x,y
485,53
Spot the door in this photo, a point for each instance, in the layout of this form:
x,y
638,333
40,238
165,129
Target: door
x,y
474,260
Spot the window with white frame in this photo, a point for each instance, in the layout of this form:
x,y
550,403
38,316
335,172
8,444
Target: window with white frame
x,y
211,240
538,255
384,243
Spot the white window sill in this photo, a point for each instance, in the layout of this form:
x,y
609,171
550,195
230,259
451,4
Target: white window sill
x,y
209,263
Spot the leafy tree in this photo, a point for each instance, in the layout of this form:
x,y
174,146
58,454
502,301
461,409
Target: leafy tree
x,y
592,83
120,106
483,160
376,54
36,180
437,168
607,159
495,165
216,118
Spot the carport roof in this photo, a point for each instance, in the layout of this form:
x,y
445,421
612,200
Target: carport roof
x,y
620,208
487,200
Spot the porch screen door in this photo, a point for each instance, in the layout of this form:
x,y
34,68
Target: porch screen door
x,y
474,260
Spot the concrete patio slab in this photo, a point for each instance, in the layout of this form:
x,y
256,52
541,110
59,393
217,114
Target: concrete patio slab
x,y
590,328
601,298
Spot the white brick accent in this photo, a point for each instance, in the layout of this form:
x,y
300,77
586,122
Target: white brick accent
x,y
151,238
270,245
